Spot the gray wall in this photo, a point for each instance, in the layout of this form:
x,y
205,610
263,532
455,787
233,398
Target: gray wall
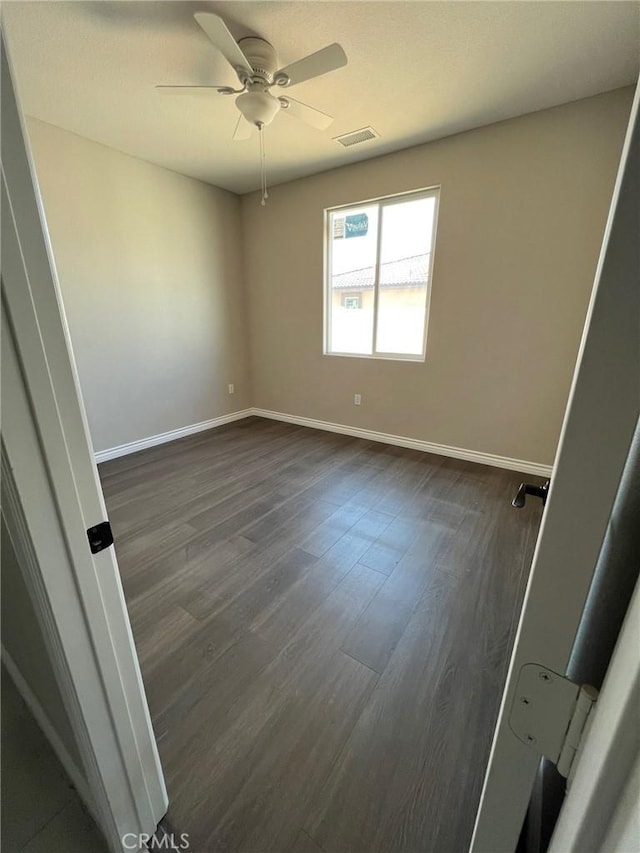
x,y
523,207
151,277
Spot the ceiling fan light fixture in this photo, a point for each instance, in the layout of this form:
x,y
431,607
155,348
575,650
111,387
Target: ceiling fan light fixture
x,y
259,108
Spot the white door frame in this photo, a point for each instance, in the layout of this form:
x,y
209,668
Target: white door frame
x,y
55,496
603,410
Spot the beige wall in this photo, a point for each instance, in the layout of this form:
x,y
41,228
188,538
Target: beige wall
x,y
151,275
155,268
522,212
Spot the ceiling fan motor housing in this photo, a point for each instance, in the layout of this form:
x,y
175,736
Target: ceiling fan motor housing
x,y
262,57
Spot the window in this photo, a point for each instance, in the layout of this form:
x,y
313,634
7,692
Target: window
x,y
379,257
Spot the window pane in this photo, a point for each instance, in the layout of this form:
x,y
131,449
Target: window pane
x,y
353,234
405,253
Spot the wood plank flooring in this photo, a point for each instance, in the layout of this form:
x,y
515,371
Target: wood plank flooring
x,y
323,625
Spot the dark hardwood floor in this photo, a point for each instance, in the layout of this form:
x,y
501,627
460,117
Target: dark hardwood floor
x,y
323,625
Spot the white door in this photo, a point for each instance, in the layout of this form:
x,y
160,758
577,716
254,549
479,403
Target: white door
x,y
603,410
56,496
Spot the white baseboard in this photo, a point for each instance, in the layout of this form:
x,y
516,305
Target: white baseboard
x,y
172,435
40,715
386,438
413,443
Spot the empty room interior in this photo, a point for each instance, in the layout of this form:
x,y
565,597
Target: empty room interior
x,y
322,339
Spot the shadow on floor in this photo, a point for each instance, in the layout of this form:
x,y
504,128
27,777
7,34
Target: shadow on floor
x,y
41,810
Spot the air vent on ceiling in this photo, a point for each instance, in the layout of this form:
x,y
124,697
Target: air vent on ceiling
x,y
356,136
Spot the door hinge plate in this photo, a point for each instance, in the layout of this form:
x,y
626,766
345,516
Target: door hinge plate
x,y
549,713
100,537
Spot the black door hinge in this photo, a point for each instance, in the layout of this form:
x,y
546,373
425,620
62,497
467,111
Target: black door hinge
x,y
100,537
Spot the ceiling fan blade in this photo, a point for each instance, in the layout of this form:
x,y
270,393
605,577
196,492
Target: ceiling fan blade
x,y
306,113
188,88
320,62
218,32
243,129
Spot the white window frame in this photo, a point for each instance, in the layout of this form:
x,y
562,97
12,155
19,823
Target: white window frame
x,y
382,201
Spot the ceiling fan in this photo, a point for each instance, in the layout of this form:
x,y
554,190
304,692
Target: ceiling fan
x,y
255,63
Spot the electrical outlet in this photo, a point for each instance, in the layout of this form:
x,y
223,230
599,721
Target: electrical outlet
x,y
232,389
357,399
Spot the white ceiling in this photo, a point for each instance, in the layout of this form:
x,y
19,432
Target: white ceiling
x,y
417,71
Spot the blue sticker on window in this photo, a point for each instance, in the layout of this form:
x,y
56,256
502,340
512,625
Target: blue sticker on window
x,y
356,225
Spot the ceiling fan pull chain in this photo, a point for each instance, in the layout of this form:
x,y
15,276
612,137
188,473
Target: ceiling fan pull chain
x,y
263,166
264,162
261,142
